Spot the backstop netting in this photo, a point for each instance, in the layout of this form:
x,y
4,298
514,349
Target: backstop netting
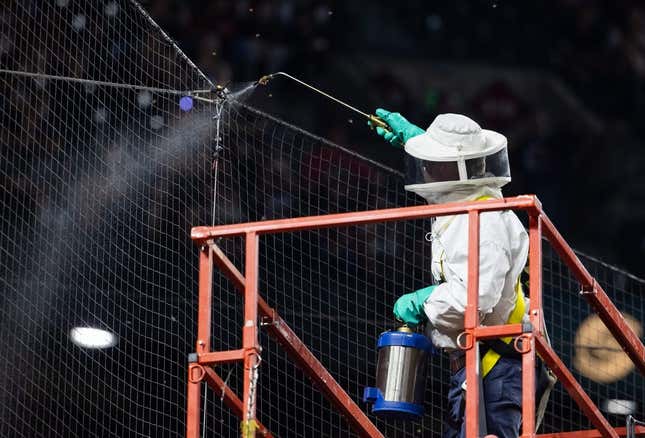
x,y
102,181
100,184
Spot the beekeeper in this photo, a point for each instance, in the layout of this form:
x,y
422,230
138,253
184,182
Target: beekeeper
x,y
456,160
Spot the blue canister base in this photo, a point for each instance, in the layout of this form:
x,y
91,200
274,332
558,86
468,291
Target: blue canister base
x,y
395,410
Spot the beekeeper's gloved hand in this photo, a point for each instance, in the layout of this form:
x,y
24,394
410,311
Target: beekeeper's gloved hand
x,y
409,307
402,130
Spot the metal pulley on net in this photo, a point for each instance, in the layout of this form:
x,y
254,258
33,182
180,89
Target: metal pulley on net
x,y
400,375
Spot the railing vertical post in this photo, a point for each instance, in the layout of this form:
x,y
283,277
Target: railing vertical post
x,y
528,387
195,372
471,321
250,334
536,318
535,272
193,405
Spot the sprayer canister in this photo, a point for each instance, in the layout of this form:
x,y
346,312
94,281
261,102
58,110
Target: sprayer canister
x,y
400,375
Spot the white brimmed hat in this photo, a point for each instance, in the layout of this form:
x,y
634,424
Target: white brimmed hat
x,y
454,136
455,153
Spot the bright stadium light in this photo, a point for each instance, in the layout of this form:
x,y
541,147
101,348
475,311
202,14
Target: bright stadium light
x,y
89,337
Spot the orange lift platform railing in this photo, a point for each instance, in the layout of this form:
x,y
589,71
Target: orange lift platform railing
x,y
533,339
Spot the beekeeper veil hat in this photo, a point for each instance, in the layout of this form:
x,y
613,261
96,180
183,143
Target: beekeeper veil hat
x,y
455,155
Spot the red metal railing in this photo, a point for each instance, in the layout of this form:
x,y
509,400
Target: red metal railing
x,y
534,341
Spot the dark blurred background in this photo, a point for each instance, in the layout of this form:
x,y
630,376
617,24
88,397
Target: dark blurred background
x,y
563,80
100,185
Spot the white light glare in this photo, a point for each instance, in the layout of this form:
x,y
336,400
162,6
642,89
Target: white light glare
x,y
619,407
144,99
78,22
89,337
111,9
100,115
157,122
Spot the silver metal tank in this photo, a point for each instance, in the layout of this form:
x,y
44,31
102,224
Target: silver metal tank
x,y
400,375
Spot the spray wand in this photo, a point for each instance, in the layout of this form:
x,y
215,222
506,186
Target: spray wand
x,y
375,121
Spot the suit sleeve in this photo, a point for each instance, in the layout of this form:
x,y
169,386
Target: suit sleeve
x,y
446,305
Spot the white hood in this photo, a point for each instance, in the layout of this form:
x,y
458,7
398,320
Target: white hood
x,y
456,191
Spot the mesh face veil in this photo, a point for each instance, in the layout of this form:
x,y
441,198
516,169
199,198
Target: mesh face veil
x,y
495,165
455,155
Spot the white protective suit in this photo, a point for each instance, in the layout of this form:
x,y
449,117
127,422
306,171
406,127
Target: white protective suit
x,y
503,250
455,160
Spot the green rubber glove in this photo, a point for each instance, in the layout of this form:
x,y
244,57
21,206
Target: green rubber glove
x,y
409,307
402,130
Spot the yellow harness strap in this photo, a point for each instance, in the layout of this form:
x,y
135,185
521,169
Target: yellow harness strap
x,y
492,357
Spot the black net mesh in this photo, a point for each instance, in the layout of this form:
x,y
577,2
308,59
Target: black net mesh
x,y
334,287
95,186
101,184
587,347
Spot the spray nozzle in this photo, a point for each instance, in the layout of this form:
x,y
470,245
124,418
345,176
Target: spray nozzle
x,y
264,79
376,121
